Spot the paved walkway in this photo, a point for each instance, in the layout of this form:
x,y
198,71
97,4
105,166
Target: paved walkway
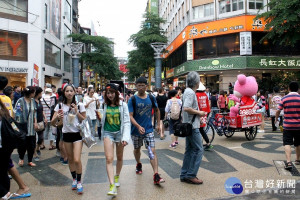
x,y
256,162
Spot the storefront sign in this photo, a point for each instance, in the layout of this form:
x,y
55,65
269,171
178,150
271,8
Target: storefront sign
x,y
170,73
13,46
190,49
264,62
245,43
14,69
35,79
214,28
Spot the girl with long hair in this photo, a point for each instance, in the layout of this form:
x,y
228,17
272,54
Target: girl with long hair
x,y
116,130
27,120
70,115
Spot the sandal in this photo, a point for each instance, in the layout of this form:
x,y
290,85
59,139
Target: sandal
x,y
288,165
31,164
21,163
7,196
42,147
297,162
52,148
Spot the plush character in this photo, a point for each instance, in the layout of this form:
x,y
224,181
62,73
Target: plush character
x,y
244,89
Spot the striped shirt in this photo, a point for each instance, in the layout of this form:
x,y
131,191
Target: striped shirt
x,y
47,101
291,108
261,102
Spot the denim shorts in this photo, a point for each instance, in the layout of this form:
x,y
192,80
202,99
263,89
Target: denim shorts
x,y
113,136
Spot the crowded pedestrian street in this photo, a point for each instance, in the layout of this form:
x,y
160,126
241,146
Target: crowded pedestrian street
x,y
258,164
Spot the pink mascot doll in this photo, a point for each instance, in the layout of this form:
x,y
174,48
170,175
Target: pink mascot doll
x,y
244,89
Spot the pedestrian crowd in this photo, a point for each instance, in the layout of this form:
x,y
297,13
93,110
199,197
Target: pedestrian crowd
x,y
50,114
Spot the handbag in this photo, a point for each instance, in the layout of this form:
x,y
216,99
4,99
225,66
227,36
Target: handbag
x,y
40,126
86,132
183,129
12,134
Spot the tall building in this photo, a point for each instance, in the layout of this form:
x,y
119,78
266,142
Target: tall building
x,y
33,41
220,39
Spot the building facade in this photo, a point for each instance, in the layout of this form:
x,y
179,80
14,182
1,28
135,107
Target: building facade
x,y
221,39
33,41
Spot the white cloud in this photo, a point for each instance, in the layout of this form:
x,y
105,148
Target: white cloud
x,y
118,19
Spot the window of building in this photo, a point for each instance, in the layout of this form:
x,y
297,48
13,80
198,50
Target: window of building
x,y
67,32
256,4
67,62
46,16
67,13
217,46
16,10
230,5
203,11
52,55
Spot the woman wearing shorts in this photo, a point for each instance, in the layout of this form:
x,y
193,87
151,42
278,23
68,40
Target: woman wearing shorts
x,y
173,97
116,130
71,114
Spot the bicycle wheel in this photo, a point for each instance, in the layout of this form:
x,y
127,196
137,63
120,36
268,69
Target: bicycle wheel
x,y
210,132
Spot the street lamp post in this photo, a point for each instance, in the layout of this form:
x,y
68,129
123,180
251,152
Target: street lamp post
x,y
76,48
158,48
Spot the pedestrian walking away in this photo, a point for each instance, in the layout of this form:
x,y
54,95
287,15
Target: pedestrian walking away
x,y
116,130
69,114
290,104
140,108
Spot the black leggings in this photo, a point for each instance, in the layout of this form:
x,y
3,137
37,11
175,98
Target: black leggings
x,y
40,137
29,146
4,180
204,135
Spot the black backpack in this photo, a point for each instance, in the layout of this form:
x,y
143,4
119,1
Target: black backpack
x,y
133,100
12,134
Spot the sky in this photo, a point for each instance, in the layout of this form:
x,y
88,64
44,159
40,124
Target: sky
x,y
117,19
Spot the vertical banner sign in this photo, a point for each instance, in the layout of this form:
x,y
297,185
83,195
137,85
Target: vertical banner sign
x,y
35,75
175,82
190,49
245,43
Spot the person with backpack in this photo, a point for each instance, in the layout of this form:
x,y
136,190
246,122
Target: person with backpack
x,y
140,108
161,100
173,108
48,102
203,104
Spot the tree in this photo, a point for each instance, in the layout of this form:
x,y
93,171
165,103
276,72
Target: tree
x,y
282,22
142,57
101,59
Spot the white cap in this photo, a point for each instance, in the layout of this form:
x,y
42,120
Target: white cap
x,y
201,87
48,90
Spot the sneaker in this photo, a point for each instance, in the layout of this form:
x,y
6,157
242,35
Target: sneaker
x,y
58,153
138,169
261,131
173,145
112,190
281,128
38,152
208,147
157,179
79,188
36,158
117,183
65,162
176,143
74,184
61,159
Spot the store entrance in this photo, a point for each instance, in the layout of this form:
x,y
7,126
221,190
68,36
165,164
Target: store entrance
x,y
16,79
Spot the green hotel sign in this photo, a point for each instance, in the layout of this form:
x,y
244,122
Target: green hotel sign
x,y
238,63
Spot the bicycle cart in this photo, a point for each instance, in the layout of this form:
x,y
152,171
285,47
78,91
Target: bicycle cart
x,y
223,124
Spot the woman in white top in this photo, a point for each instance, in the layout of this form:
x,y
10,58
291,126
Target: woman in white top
x,y
71,114
90,104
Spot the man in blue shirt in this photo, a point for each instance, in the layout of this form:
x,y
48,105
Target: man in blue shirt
x,y
140,110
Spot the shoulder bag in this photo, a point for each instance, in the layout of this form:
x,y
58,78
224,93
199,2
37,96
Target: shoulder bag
x,y
183,129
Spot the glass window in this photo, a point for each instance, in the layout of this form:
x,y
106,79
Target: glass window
x,y
67,11
67,32
67,62
203,11
16,10
52,55
208,9
228,5
256,4
46,16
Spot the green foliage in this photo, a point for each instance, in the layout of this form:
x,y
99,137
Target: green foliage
x,y
282,22
142,57
101,59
